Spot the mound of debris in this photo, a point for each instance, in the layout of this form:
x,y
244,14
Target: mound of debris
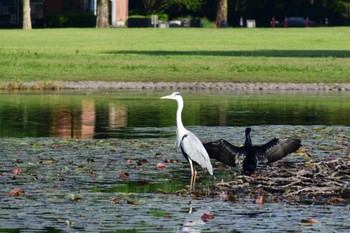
x,y
323,182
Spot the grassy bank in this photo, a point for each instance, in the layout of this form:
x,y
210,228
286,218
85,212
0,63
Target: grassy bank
x,y
239,55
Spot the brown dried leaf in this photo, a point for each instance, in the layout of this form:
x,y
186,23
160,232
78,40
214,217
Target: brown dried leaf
x,y
123,176
143,161
16,170
309,220
131,203
15,192
114,201
205,217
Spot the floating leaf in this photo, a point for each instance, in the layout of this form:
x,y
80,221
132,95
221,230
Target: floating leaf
x,y
123,176
55,146
74,197
159,153
16,170
205,217
114,201
143,161
15,192
160,166
171,161
309,220
19,161
90,160
131,202
47,162
36,146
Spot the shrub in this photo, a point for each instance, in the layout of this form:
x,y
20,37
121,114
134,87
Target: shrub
x,y
206,23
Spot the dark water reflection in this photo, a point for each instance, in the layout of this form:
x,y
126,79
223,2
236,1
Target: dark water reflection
x,y
140,114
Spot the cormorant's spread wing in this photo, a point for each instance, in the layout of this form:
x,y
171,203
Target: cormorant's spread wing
x,y
223,151
276,149
194,149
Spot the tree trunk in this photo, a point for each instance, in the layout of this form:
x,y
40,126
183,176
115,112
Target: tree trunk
x,y
221,13
102,14
27,21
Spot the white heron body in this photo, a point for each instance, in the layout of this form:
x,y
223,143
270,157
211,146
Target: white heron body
x,y
191,147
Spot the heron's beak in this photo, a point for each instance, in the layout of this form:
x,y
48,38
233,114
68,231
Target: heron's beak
x,y
166,97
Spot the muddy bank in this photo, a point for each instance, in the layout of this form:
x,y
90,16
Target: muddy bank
x,y
228,86
224,86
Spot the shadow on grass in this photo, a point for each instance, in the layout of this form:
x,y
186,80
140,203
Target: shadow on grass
x,y
247,53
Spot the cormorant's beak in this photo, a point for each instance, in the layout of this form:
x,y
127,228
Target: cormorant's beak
x,y
166,97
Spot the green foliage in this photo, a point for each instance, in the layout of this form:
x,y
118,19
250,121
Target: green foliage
x,y
207,23
193,5
160,6
163,17
137,17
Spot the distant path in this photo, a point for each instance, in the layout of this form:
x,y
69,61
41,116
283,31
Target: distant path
x,y
228,86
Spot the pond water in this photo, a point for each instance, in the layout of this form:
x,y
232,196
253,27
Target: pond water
x,y
122,114
88,160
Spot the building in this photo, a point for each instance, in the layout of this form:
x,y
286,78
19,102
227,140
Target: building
x,y
11,11
119,12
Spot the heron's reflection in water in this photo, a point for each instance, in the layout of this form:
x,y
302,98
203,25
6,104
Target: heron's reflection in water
x,y
194,219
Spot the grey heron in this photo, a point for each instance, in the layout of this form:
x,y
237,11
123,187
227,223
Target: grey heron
x,y
191,147
269,152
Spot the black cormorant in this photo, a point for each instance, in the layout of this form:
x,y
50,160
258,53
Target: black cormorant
x,y
231,155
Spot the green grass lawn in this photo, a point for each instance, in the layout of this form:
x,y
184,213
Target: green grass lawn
x,y
238,55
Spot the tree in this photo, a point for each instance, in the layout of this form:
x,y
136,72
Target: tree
x,y
159,6
102,14
27,21
221,12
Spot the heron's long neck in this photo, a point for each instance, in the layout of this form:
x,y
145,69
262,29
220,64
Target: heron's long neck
x,y
180,126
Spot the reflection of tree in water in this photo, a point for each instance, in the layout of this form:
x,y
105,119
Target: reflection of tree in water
x,y
117,116
88,116
65,121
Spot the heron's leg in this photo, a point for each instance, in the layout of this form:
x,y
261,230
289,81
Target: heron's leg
x,y
194,178
192,175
